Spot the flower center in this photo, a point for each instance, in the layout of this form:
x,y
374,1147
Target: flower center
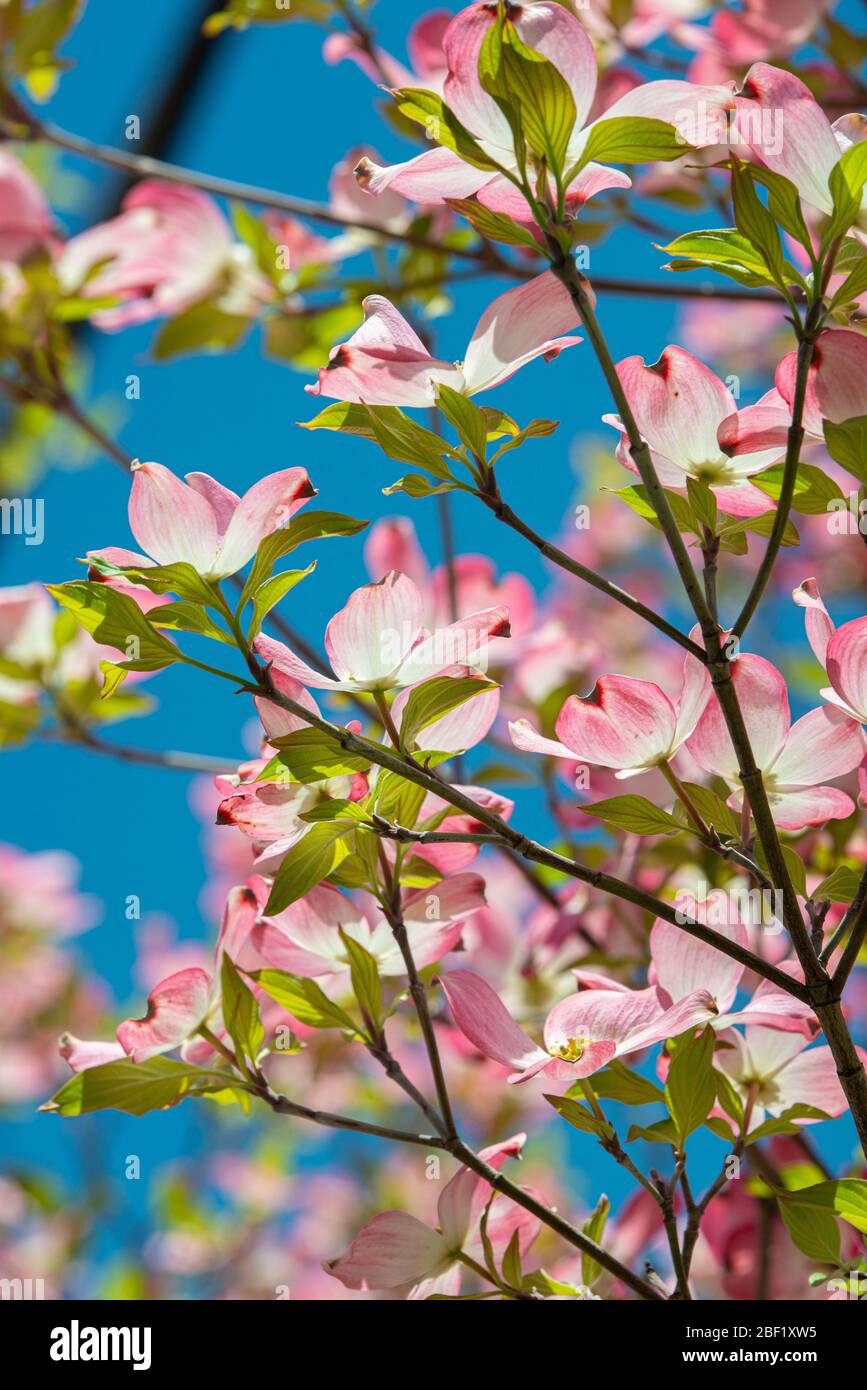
x,y
711,470
572,1050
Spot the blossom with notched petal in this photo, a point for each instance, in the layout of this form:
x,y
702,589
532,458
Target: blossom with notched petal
x,y
385,362
557,35
774,1067
836,392
688,416
795,759
203,523
582,1033
378,641
681,964
624,723
810,147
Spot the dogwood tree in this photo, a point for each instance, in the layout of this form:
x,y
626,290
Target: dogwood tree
x,y
402,935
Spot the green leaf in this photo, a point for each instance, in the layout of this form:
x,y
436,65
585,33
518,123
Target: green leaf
x,y
729,1098
784,203
113,678
495,226
336,808
690,1088
396,799
723,249
847,445
618,1082
845,1197
511,1268
794,863
711,808
630,140
133,1087
663,1132
840,886
366,985
813,488
594,1227
115,620
703,503
269,594
846,182
854,284
755,222
435,698
786,1123
39,31
308,862
579,1116
240,1012
17,721
399,437
442,125
310,756
465,418
633,813
179,578
238,14
737,527
637,499
304,1000
308,526
813,1231
533,95
188,617
417,486
536,429
202,328
406,441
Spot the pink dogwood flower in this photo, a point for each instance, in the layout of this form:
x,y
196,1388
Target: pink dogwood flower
x,y
305,938
775,1069
385,362
836,382
203,523
177,1006
842,652
681,964
169,248
836,391
397,1251
551,30
269,813
796,760
624,723
378,641
581,1034
688,416
786,128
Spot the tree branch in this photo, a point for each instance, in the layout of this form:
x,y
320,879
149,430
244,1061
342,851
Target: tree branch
x,y
143,166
